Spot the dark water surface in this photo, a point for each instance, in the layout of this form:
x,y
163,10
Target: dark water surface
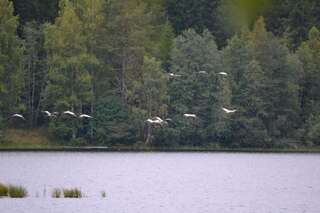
x,y
164,182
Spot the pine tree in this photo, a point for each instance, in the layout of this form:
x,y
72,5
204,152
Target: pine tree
x,y
236,57
199,89
129,31
165,44
280,80
309,55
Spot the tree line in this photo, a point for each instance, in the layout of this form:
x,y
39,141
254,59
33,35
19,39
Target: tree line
x,y
112,59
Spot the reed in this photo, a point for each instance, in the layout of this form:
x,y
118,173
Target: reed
x,y
17,191
103,194
56,193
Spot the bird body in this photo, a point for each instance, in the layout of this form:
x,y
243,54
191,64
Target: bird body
x,y
203,72
156,120
190,115
174,75
223,73
47,113
228,110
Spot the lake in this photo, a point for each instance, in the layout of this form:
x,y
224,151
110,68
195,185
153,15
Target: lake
x,y
164,182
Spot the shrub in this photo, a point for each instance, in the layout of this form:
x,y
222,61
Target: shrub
x,y
17,191
72,193
3,190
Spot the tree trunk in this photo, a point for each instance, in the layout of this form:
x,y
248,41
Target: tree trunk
x,y
123,75
72,106
33,97
149,134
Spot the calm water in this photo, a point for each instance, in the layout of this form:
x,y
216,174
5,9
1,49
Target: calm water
x,y
164,182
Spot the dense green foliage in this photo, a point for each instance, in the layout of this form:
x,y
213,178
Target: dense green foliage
x,y
17,191
3,190
124,61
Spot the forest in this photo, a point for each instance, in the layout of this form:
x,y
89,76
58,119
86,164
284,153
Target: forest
x,y
126,61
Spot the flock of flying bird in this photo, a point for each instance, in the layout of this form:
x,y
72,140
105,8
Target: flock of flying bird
x,y
55,114
158,121
155,120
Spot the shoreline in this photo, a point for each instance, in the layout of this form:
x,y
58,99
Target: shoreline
x,y
153,149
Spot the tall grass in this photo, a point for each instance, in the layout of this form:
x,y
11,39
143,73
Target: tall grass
x,y
56,193
72,193
17,191
103,194
3,190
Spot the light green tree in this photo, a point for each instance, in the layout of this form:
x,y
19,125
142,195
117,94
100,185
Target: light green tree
x,y
11,50
69,79
69,85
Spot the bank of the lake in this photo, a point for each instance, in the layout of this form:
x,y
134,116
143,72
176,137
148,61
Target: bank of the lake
x,y
155,149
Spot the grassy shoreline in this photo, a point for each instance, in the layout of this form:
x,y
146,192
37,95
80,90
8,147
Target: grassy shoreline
x,y
37,140
157,149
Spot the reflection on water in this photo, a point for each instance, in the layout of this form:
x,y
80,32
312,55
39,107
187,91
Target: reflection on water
x,y
164,182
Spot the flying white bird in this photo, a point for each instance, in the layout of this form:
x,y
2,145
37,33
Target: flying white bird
x,y
47,113
156,120
203,72
55,113
190,115
174,75
70,113
223,73
85,116
228,110
168,119
18,116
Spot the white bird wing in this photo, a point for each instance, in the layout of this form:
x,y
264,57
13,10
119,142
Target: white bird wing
x,y
70,113
149,120
174,75
228,110
85,116
190,115
203,72
18,116
223,73
47,113
158,119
